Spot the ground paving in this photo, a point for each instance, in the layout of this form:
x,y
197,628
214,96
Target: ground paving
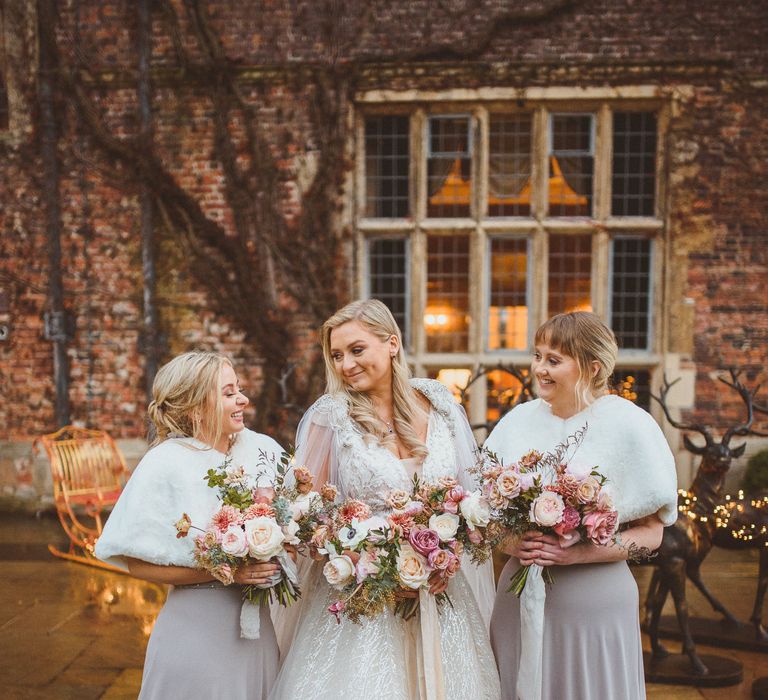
x,y
75,632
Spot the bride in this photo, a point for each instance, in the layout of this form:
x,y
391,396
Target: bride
x,y
369,434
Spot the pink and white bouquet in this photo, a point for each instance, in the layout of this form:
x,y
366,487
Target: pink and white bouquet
x,y
253,524
380,561
540,492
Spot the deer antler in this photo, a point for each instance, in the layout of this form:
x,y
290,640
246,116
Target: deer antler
x,y
695,427
747,396
759,408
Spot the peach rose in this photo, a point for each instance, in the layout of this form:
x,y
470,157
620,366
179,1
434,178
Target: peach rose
x,y
397,499
508,483
329,492
588,490
601,526
411,567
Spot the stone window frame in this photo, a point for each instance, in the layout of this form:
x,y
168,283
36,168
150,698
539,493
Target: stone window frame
x,y
602,226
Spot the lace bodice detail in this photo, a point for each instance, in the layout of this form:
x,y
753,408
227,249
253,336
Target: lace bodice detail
x,y
368,470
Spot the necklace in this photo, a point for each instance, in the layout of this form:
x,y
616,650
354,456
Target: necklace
x,y
390,429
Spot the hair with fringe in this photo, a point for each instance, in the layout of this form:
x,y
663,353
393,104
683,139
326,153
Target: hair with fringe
x,y
584,337
375,317
186,401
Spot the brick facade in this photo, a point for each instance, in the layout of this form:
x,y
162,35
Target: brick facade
x,y
710,63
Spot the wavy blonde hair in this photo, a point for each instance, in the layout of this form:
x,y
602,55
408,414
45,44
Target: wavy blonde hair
x,y
584,337
186,400
376,318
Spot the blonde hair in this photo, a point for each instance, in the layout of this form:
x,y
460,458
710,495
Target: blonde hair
x,y
376,318
186,401
584,337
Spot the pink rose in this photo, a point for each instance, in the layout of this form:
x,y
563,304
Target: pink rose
x,y
367,565
439,559
601,525
452,499
423,540
453,566
493,495
233,542
570,521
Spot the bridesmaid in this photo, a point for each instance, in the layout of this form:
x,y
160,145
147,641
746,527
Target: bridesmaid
x,y
195,650
589,647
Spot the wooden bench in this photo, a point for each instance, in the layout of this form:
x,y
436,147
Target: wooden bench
x,y
89,473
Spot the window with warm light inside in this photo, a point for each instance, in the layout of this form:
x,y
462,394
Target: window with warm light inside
x,y
477,221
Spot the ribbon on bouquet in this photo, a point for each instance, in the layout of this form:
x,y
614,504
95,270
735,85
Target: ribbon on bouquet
x,y
250,613
531,635
430,646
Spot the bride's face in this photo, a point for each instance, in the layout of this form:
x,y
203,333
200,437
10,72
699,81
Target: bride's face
x,y
362,361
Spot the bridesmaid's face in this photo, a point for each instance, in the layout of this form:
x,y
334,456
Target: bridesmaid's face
x,y
232,401
556,376
362,360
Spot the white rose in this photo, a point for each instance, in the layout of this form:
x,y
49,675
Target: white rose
x,y
302,504
445,525
547,509
233,541
353,534
265,538
339,571
411,567
476,510
290,531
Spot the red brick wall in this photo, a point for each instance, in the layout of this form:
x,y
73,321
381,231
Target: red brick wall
x,y
717,146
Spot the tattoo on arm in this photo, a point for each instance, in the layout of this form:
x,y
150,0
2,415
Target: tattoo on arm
x,y
635,553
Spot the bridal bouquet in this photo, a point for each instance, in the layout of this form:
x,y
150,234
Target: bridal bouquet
x,y
253,524
380,561
540,492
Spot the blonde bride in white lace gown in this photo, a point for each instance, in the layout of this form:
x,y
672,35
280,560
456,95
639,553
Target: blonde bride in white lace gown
x,y
368,435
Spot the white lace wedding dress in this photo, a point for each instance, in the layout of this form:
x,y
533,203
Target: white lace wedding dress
x,y
384,658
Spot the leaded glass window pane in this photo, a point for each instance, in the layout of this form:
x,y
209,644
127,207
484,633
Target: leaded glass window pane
x,y
449,164
634,164
571,165
631,291
387,155
446,316
508,311
388,278
509,165
570,273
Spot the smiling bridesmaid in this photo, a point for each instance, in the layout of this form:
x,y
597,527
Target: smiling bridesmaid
x,y
195,650
589,645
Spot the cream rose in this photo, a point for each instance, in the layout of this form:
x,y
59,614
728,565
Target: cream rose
x,y
233,541
445,525
588,490
411,567
547,509
508,483
476,510
339,571
397,499
265,538
605,500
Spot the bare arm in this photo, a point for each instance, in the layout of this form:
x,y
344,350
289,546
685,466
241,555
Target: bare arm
x,y
181,575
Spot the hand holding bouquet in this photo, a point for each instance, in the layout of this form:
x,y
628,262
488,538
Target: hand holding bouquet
x,y
541,493
253,524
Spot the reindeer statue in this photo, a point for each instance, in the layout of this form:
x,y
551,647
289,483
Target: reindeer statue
x,y
686,544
